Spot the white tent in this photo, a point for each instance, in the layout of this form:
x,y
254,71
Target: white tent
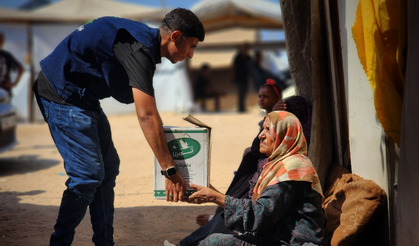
x,y
220,14
86,10
172,87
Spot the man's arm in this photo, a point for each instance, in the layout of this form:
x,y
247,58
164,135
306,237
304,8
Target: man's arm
x,y
152,127
19,75
14,65
139,67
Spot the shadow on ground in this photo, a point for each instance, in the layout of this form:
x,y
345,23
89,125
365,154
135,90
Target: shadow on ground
x,y
24,164
28,224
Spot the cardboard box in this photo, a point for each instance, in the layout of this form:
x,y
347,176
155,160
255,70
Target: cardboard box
x,y
190,148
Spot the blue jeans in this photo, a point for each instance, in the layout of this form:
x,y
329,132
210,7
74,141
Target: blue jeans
x,y
83,138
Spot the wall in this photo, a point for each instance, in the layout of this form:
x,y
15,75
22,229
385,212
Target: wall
x,y
366,135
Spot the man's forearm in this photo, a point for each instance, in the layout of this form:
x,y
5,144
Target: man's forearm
x,y
152,127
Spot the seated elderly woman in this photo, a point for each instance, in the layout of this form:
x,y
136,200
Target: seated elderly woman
x,y
286,206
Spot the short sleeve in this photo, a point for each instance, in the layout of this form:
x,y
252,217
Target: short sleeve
x,y
136,60
140,70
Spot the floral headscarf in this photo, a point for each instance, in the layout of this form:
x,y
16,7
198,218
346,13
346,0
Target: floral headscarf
x,y
289,161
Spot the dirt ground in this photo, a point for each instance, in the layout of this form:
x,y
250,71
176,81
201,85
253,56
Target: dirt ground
x,y
32,181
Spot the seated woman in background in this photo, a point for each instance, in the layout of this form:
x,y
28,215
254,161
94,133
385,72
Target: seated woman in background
x,y
286,204
204,89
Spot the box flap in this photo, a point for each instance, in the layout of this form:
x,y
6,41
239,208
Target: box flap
x,y
195,121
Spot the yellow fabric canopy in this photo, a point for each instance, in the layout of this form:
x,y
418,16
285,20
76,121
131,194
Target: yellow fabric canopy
x,y
379,32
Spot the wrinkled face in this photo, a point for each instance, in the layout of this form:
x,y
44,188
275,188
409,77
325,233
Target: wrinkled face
x,y
181,47
267,138
267,99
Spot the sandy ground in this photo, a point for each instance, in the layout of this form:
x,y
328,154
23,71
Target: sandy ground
x,y
32,180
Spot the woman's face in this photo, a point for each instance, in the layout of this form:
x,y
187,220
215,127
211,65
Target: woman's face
x,y
267,138
267,99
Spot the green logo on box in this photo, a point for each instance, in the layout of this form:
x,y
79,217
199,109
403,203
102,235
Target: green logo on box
x,y
183,148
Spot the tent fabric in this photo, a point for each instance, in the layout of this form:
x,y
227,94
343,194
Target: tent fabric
x,y
379,32
322,131
407,222
85,10
309,64
219,14
81,11
18,16
173,90
13,14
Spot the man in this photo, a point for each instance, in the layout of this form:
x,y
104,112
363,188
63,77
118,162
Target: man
x,y
241,73
8,63
107,57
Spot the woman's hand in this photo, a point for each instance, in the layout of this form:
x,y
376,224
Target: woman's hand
x,y
205,195
280,105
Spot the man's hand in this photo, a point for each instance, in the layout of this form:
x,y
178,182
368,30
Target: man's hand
x,y
175,188
280,105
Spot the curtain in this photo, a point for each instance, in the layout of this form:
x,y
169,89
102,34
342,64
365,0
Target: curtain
x,y
379,34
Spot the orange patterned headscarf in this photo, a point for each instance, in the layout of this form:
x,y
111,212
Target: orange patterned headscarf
x,y
289,161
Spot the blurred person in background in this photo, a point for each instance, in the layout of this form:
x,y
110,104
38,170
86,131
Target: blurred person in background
x,y
204,89
241,72
8,64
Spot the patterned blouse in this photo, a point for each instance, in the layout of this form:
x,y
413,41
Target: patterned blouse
x,y
287,213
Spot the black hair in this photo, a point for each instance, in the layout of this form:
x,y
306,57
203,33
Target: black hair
x,y
186,22
277,87
204,66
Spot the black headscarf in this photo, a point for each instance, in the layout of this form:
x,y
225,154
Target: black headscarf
x,y
303,110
